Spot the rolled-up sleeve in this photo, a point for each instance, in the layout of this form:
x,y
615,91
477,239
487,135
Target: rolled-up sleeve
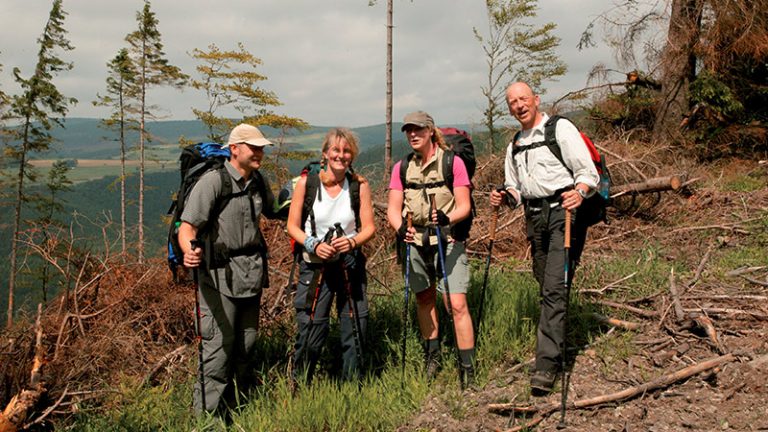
x,y
511,179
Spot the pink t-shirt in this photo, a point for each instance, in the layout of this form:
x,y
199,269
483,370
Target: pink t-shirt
x,y
460,175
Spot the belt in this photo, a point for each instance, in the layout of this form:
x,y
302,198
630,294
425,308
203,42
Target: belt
x,y
536,204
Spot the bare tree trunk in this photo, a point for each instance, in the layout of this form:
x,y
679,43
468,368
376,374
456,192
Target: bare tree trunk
x,y
678,66
140,247
17,224
388,129
122,178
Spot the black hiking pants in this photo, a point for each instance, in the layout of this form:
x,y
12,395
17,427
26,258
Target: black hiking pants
x,y
546,232
313,332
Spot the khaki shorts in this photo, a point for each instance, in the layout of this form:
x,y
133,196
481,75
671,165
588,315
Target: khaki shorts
x,y
425,268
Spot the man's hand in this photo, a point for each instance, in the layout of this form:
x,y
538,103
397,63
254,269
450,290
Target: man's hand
x,y
571,199
501,196
194,256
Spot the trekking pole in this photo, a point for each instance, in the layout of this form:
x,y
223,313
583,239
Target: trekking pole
x,y
317,280
449,306
194,243
564,384
409,222
491,237
353,315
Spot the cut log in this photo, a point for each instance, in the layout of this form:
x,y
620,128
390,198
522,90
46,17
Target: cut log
x,y
657,184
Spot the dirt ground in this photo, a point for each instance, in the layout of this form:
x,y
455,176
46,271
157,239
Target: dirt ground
x,y
730,397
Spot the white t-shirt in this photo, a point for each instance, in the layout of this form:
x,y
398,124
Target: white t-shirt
x,y
330,210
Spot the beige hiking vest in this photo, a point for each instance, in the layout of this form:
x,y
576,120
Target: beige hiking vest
x,y
416,200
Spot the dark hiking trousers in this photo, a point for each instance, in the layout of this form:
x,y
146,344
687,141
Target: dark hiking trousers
x,y
311,337
546,232
229,327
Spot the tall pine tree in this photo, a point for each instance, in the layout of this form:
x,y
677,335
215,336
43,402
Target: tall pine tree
x,y
36,109
146,52
120,98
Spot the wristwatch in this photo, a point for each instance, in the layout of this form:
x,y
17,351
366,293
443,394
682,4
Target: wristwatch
x,y
582,193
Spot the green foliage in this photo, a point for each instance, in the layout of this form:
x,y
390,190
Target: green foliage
x,y
229,79
708,90
632,109
515,50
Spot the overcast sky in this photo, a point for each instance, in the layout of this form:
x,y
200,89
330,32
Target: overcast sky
x,y
325,60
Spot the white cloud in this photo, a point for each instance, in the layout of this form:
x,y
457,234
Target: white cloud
x,y
325,60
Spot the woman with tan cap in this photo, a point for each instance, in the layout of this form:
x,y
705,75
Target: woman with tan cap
x,y
420,189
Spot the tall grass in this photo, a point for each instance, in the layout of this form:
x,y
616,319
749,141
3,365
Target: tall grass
x,y
386,398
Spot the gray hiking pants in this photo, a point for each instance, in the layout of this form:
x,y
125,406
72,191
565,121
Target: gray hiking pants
x,y
228,328
546,232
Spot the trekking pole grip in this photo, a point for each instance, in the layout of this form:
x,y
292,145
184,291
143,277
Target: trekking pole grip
x,y
567,229
494,221
409,220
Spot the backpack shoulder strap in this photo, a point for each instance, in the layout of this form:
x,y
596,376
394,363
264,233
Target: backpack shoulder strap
x,y
223,198
354,197
550,139
448,157
404,162
311,192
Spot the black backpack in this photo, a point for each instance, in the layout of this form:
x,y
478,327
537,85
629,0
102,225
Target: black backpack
x,y
196,160
594,208
460,145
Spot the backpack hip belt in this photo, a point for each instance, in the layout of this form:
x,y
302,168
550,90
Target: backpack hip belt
x,y
538,203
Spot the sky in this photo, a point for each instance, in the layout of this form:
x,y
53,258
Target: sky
x,y
325,60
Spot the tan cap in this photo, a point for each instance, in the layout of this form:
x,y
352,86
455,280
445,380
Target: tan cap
x,y
245,133
418,118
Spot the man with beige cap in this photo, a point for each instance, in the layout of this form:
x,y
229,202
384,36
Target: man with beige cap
x,y
222,216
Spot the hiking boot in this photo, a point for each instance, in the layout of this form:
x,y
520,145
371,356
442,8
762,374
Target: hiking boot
x,y
467,377
432,364
542,383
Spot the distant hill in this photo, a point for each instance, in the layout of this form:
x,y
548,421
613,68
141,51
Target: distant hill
x,y
86,138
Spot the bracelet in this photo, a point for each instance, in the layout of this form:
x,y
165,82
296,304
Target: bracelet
x,y
352,243
310,243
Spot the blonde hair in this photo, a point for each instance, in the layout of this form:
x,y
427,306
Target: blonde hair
x,y
334,135
438,138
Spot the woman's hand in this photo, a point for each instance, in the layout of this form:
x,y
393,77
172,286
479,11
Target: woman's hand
x,y
325,251
342,244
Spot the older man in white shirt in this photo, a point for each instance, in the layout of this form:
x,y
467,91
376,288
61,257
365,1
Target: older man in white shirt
x,y
547,187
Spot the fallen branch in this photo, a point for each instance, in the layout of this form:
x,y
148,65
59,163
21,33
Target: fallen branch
x,y
635,310
162,362
627,325
663,381
607,287
657,184
728,311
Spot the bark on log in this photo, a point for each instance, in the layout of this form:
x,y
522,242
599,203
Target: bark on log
x,y
15,413
657,184
626,325
663,381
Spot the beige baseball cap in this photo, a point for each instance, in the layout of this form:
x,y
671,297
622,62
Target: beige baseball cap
x,y
418,118
245,133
